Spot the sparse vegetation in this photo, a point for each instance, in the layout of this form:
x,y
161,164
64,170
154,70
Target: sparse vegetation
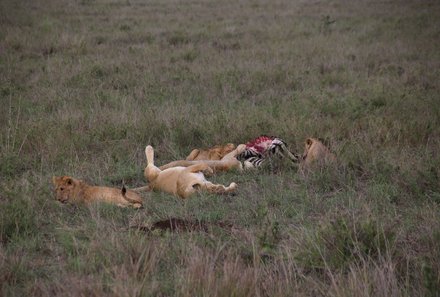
x,y
86,85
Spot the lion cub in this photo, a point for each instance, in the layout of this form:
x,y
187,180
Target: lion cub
x,y
228,162
315,153
75,191
181,181
214,153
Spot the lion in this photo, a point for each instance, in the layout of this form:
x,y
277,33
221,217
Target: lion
x,y
75,191
228,162
214,153
181,181
315,153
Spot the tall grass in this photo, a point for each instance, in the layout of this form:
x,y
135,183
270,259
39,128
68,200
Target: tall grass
x,y
86,85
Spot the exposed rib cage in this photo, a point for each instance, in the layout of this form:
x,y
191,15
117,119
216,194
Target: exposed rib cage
x,y
265,147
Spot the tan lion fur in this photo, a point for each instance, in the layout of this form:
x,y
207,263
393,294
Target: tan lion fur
x,y
228,162
75,191
315,154
214,153
181,181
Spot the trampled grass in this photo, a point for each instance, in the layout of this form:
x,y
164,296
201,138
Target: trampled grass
x,y
86,85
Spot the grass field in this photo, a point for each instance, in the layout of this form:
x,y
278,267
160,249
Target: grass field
x,y
85,85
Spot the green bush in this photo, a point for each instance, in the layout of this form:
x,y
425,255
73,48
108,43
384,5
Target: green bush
x,y
17,219
343,241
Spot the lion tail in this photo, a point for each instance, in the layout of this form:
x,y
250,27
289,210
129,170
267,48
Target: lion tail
x,y
124,195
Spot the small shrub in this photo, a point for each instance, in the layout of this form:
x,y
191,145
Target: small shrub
x,y
17,219
190,55
341,242
178,37
97,72
14,271
125,27
431,281
12,165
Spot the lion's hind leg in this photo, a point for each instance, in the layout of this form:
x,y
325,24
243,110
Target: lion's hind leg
x,y
151,172
187,188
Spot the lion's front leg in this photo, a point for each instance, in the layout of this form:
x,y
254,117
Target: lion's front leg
x,y
219,189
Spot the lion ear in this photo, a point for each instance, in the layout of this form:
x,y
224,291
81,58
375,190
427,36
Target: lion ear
x,y
229,148
309,141
69,181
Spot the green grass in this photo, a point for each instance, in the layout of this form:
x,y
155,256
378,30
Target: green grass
x,y
86,85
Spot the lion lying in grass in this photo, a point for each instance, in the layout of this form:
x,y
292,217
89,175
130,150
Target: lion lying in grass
x,y
181,181
252,155
228,162
69,189
315,154
215,153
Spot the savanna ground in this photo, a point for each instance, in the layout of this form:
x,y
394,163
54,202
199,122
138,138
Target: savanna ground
x,y
86,85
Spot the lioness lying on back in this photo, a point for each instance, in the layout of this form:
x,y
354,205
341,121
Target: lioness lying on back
x,y
181,181
75,191
315,154
214,153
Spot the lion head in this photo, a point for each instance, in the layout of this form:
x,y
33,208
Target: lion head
x,y
315,152
222,151
65,187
